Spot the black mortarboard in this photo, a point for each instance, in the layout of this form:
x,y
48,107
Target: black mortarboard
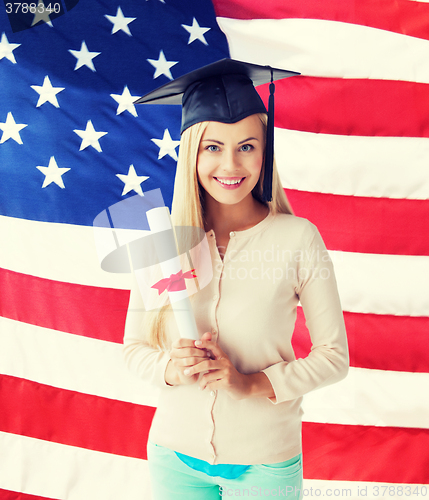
x,y
224,92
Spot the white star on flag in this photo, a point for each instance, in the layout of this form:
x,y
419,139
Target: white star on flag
x,y
162,66
84,57
90,137
132,181
6,49
196,32
11,129
166,145
125,101
47,93
42,14
120,22
53,173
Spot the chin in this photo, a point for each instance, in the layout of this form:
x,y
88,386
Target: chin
x,y
229,198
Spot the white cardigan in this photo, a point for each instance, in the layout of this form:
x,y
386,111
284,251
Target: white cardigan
x,y
250,307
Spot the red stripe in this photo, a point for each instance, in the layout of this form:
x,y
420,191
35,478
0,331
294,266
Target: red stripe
x,y
15,495
73,418
368,333
359,107
405,17
83,310
360,453
370,336
364,224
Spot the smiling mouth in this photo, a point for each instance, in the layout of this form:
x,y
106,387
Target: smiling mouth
x,y
230,181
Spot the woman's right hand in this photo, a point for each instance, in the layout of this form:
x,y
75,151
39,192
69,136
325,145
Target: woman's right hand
x,y
183,355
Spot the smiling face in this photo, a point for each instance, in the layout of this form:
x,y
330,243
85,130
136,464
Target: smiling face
x,y
230,159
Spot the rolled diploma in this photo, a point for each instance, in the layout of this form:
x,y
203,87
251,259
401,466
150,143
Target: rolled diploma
x,y
159,220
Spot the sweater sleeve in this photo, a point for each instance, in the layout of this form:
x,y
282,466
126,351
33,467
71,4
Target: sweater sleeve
x,y
328,360
143,360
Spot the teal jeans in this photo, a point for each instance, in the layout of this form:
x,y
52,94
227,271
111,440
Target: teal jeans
x,y
171,479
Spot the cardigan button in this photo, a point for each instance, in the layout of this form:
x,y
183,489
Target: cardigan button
x,y
232,234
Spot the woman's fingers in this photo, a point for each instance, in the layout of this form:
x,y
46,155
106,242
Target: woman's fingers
x,y
210,346
204,366
185,348
183,355
189,355
193,360
181,343
190,359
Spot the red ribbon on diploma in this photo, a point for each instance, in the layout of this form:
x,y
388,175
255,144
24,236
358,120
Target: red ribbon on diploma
x,y
175,283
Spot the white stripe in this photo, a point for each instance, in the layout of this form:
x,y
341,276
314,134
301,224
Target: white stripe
x,y
94,367
70,362
61,252
358,490
328,48
368,283
387,167
382,284
63,472
371,397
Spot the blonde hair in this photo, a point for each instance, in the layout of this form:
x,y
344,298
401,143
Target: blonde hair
x,y
188,206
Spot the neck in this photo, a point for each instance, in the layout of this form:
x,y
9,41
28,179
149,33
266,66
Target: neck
x,y
226,218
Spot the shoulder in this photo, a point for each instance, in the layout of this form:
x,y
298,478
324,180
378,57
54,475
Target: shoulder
x,y
292,232
292,226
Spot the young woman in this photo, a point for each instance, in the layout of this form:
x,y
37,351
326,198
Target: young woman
x,y
228,421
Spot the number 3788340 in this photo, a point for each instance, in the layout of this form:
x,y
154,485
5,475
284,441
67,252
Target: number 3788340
x,y
32,8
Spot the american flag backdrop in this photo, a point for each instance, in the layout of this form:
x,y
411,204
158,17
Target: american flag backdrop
x,y
352,147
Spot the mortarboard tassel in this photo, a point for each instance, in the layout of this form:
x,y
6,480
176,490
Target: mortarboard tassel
x,y
269,148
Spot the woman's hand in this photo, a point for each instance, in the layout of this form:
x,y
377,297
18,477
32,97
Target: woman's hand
x,y
222,374
183,355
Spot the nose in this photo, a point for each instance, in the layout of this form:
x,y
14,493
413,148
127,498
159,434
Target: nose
x,y
230,161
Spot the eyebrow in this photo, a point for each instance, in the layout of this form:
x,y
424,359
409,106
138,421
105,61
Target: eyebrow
x,y
222,144
213,140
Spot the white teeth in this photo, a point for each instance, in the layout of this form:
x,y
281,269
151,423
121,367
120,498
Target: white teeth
x,y
229,183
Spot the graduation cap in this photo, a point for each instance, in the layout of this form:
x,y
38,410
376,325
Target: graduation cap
x,y
224,91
